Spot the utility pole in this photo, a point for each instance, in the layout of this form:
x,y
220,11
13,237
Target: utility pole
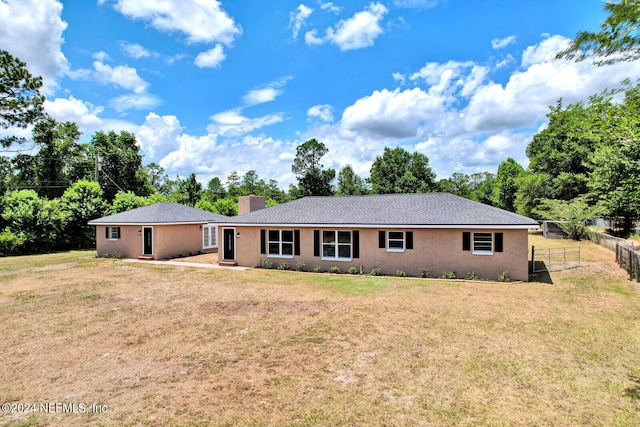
x,y
95,175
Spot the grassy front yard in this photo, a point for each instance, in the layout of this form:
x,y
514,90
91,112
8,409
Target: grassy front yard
x,y
183,346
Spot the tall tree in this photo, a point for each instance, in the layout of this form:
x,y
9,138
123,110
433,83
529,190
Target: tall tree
x,y
313,180
562,149
82,202
59,159
506,184
617,40
349,183
233,184
215,190
120,163
398,171
189,191
21,104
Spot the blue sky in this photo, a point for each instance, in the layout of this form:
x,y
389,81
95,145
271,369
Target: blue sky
x,y
209,87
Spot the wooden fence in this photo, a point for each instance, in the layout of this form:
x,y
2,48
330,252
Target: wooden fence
x,y
629,260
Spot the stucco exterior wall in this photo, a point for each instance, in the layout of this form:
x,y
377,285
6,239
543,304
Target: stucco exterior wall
x,y
168,241
439,250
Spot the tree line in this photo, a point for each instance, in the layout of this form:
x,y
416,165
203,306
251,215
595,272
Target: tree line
x,y
584,163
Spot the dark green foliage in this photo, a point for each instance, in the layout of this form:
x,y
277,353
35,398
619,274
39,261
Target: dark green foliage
x,y
349,183
120,163
398,171
21,104
189,191
83,202
313,180
505,184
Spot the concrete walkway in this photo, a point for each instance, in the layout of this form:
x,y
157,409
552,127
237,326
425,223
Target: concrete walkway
x,y
185,264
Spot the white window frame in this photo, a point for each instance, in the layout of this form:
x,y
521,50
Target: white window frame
x,y
113,231
336,245
281,243
482,243
403,240
211,239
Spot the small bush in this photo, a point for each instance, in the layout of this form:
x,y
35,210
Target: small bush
x,y
116,255
424,272
317,269
267,264
449,275
353,270
335,269
284,266
301,266
472,276
401,273
377,271
504,277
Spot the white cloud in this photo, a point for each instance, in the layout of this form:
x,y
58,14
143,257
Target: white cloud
x,y
134,50
158,136
260,96
203,21
416,3
359,31
322,112
267,93
298,19
32,31
212,58
330,7
101,56
163,141
392,114
232,123
504,42
120,76
74,110
85,115
134,101
544,51
399,77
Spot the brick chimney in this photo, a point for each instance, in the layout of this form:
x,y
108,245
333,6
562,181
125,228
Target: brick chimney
x,y
251,203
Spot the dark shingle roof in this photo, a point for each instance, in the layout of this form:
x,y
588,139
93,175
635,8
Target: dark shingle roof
x,y
161,213
432,209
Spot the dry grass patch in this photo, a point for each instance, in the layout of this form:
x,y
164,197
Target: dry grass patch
x,y
187,347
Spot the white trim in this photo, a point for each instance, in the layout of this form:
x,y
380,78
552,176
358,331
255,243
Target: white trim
x,y
280,243
212,231
150,224
403,240
388,227
336,244
111,238
485,252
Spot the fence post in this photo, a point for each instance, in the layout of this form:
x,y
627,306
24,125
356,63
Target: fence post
x,y
532,268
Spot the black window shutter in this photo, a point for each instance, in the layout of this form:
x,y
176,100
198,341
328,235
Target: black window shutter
x,y
316,242
263,241
409,238
296,242
118,232
106,234
499,242
466,241
356,244
381,240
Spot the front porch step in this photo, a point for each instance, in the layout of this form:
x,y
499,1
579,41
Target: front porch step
x,y
227,263
145,258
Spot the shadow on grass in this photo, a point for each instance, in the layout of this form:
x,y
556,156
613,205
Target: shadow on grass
x,y
541,275
634,391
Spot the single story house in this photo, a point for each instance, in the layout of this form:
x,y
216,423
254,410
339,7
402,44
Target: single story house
x,y
438,231
158,231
